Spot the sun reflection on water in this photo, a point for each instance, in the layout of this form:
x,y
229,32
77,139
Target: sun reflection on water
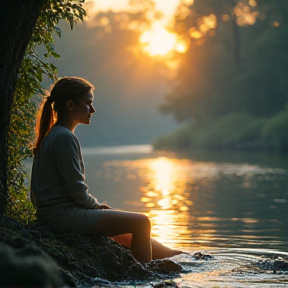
x,y
166,197
195,204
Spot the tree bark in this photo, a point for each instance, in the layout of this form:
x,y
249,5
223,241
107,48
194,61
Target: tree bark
x,y
236,32
17,20
236,38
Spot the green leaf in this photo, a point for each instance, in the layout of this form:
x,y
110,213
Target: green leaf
x,y
39,77
58,31
71,22
55,54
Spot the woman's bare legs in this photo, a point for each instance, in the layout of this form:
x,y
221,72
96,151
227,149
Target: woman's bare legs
x,y
116,222
159,251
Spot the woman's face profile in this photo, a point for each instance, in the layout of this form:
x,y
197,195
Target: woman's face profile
x,y
83,110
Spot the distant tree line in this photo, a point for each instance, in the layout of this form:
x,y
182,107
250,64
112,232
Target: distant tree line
x,y
232,87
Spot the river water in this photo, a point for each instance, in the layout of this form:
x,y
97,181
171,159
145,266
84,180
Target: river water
x,y
231,205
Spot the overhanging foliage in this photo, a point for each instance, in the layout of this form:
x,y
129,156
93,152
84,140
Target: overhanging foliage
x,y
33,68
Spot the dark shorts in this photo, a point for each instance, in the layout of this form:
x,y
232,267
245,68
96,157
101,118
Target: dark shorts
x,y
71,219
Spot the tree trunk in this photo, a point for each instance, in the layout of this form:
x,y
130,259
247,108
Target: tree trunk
x,y
17,20
236,32
236,38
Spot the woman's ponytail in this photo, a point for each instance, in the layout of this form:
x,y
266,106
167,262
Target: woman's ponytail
x,y
44,122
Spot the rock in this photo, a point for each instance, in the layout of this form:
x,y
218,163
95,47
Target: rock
x,y
82,260
165,283
19,242
280,265
265,264
159,285
31,235
202,256
18,266
68,278
164,266
44,232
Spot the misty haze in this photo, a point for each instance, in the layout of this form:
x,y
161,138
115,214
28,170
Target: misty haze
x,y
128,90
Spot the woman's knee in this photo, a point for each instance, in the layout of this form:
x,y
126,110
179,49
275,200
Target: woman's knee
x,y
121,222
144,222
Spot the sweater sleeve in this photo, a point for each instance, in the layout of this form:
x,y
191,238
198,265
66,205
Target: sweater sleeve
x,y
69,163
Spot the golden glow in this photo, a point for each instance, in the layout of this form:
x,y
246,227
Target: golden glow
x,y
207,22
211,33
245,16
163,172
167,8
168,189
172,64
166,197
104,21
183,11
145,199
206,25
155,41
225,17
188,2
252,3
159,42
195,33
181,47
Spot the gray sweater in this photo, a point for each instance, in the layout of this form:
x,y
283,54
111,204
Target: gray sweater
x,y
58,173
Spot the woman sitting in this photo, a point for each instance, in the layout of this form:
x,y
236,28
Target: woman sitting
x,y
58,188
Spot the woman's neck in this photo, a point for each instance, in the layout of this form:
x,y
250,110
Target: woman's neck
x,y
65,123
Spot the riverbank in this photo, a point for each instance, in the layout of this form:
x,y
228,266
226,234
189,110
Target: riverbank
x,y
232,132
82,261
230,205
72,260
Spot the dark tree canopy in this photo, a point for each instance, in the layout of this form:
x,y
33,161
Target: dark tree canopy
x,y
235,70
17,20
227,70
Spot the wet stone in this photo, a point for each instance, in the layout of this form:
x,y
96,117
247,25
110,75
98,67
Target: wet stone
x,y
164,266
45,232
19,242
82,260
202,256
275,266
280,265
165,283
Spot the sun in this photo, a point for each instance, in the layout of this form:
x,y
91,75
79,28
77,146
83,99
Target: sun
x,y
157,41
160,42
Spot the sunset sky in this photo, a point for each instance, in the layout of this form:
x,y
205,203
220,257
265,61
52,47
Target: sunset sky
x,y
166,7
157,41
129,89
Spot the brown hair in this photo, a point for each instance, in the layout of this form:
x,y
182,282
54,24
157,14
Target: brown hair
x,y
67,88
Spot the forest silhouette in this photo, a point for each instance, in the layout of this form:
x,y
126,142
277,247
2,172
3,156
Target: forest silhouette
x,y
231,88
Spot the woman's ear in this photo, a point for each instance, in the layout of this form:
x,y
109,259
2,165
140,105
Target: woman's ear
x,y
70,105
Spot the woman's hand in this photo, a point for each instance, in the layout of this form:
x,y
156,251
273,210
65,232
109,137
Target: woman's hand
x,y
102,206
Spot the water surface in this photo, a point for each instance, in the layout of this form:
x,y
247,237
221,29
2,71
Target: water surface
x,y
232,205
